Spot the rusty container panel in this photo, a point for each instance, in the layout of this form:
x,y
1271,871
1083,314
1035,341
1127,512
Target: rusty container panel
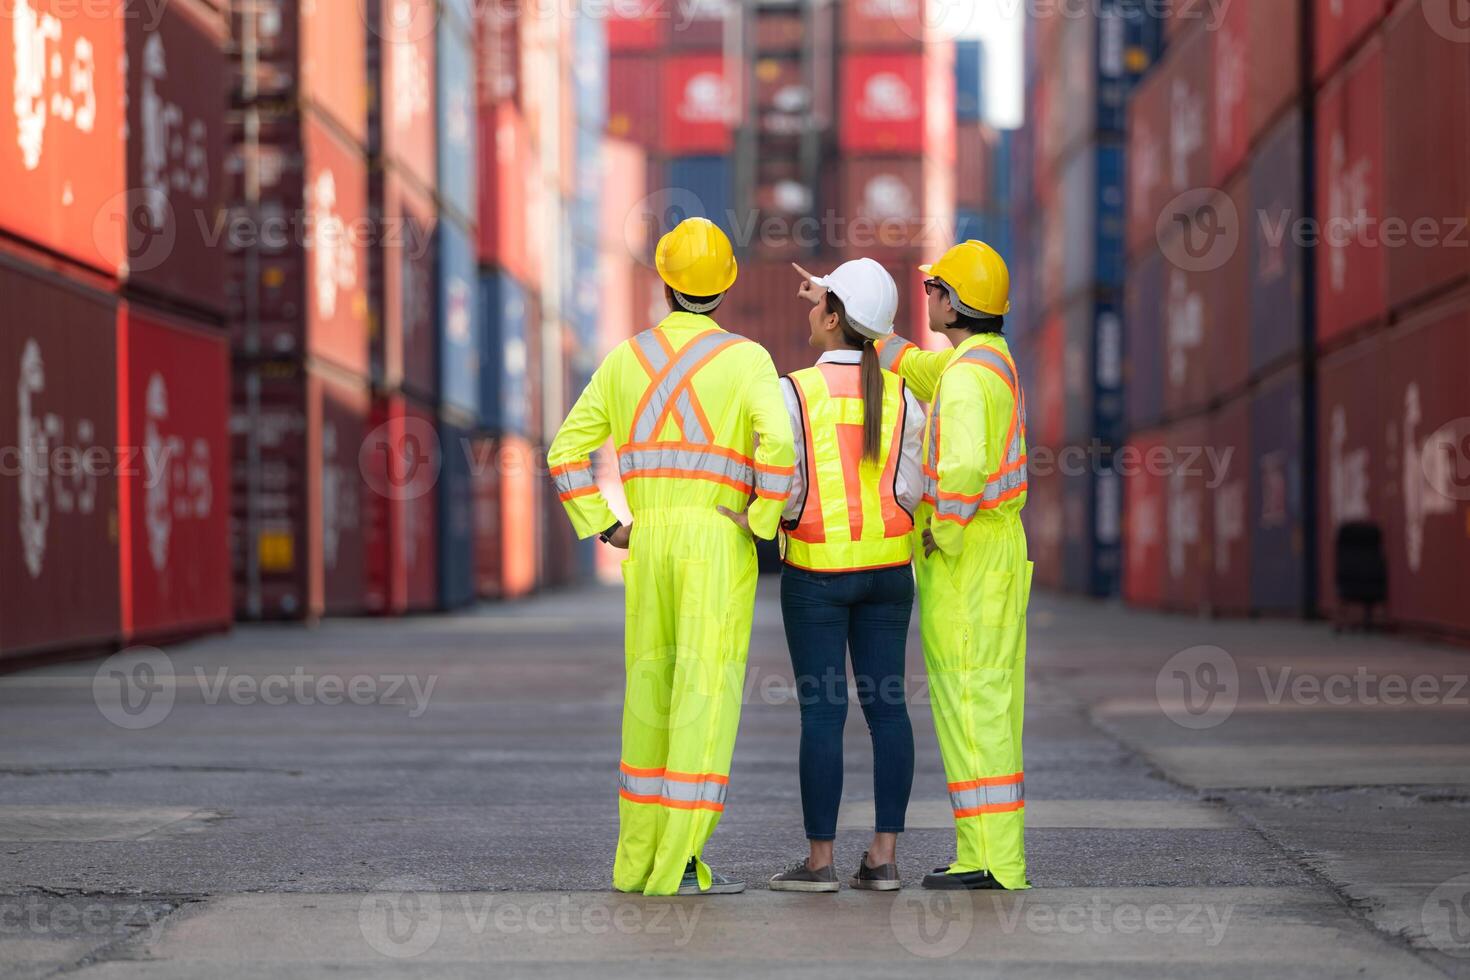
x,y
1188,515
174,504
1426,492
403,122
1143,464
58,492
1351,265
1278,485
400,463
1230,536
1350,448
62,131
1427,192
1255,76
403,341
1278,260
175,155
634,103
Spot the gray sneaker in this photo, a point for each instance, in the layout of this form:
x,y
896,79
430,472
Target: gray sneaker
x,y
718,885
800,878
883,878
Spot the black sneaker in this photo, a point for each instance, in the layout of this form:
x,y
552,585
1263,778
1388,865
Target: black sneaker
x,y
800,878
940,879
883,878
718,885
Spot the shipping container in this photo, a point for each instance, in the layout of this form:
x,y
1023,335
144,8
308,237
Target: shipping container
x,y
1044,376
969,72
523,480
1277,256
498,50
634,107
589,73
299,254
1351,266
505,156
59,534
938,104
403,342
584,208
1256,77
400,463
696,114
635,27
454,105
401,53
1188,323
1230,554
1045,531
763,306
505,386
1353,465
457,319
1143,464
702,187
62,160
296,492
1092,362
1228,290
699,24
779,31
883,203
1143,319
173,383
1277,514
175,156
1188,498
485,487
303,56
783,97
1092,203
975,158
456,517
883,100
1426,420
1148,161
902,24
1091,524
1427,183
1337,28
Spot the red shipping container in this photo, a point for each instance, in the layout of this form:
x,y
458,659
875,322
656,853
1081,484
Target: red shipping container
x,y
1427,495
1046,397
505,159
779,31
404,348
1188,516
1143,465
173,499
1230,552
1350,447
883,109
1189,72
307,56
624,185
522,475
58,495
633,99
1428,154
1227,303
1148,177
697,114
1045,524
1070,94
699,23
400,463
498,50
489,542
406,89
1351,265
175,153
974,163
312,248
61,131
1337,26
883,202
1189,323
1186,16
635,27
1255,76
885,23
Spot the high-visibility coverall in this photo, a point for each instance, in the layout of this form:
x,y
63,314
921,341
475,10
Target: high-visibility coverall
x,y
685,404
973,592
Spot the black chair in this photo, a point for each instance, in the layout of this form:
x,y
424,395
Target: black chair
x,y
1361,570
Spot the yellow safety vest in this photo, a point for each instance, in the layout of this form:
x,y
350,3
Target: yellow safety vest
x,y
851,519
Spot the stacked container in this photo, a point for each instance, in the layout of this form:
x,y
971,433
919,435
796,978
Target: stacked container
x,y
982,200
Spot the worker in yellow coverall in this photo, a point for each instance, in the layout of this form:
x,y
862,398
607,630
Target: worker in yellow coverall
x,y
974,577
706,455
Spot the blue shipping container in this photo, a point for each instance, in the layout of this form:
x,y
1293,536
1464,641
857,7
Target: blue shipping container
x,y
505,393
1092,359
455,129
1092,517
969,69
1002,163
589,72
582,296
1276,259
585,207
457,320
700,187
1278,541
456,520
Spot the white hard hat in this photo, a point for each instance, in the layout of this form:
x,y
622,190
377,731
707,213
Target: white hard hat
x,y
868,293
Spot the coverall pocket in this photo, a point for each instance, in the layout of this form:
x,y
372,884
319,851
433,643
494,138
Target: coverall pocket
x,y
998,605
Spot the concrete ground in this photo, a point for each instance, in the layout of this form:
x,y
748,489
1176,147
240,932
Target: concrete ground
x,y
434,797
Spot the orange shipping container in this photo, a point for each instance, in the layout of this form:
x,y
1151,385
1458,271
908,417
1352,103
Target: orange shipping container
x,y
522,475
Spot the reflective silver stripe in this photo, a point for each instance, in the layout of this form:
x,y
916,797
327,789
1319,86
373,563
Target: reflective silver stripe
x,y
570,480
892,351
972,799
705,791
693,352
963,509
634,461
773,482
640,785
652,350
983,355
693,431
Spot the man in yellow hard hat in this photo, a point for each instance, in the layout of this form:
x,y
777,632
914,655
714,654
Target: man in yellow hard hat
x,y
973,573
701,428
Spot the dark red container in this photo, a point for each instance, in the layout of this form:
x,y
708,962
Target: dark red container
x,y
61,131
1428,153
308,57
400,463
698,23
1278,258
1189,516
634,106
403,341
1046,391
1340,24
58,494
297,491
974,162
1278,485
764,307
1189,325
1230,531
1044,520
485,483
1189,69
1351,264
696,111
1352,466
173,501
1143,322
1143,465
1227,296
883,203
498,50
310,284
883,103
406,90
1427,492
779,31
1148,160
885,23
1255,61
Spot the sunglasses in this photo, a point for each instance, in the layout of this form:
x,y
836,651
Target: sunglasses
x,y
932,286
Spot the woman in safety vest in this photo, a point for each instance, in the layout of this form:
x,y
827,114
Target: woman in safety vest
x,y
847,584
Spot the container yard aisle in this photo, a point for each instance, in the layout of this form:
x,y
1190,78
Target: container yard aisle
x,y
455,809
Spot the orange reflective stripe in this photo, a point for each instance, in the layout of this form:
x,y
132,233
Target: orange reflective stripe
x,y
1015,777
697,777
808,530
977,811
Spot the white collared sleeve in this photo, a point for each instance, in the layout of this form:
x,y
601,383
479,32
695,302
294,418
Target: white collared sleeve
x,y
797,499
909,484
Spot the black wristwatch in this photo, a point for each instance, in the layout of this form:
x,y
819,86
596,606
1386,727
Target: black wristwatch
x,y
606,536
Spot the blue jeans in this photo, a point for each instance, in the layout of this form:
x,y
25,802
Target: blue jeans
x,y
826,615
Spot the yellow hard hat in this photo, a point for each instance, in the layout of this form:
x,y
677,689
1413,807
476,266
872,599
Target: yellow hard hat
x,y
978,280
696,259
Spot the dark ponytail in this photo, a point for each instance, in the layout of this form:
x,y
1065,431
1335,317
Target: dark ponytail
x,y
872,381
